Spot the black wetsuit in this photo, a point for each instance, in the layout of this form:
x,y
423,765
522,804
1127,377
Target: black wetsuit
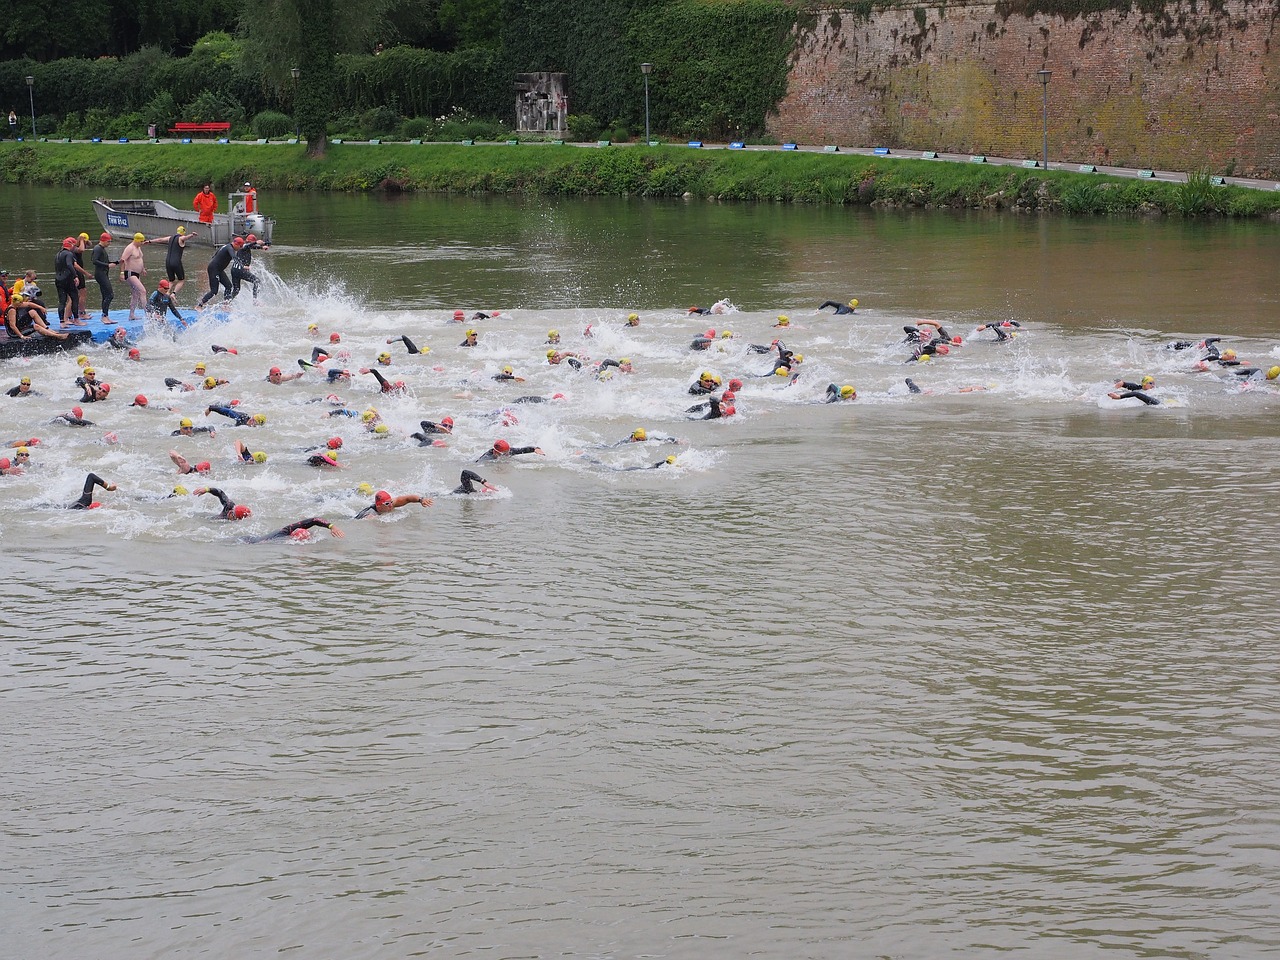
x,y
701,343
240,271
1001,333
841,308
506,376
911,385
102,264
429,431
928,349
217,271
468,343
72,420
529,399
86,496
285,532
19,392
173,259
1144,397
408,344
159,302
227,503
173,383
241,419
698,390
64,276
713,413
833,394
513,452
469,480
194,430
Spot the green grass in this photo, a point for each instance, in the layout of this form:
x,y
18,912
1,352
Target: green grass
x,y
665,171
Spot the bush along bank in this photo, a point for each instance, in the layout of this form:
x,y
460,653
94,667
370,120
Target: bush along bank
x,y
664,171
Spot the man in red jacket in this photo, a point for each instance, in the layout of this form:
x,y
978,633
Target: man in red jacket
x,y
205,203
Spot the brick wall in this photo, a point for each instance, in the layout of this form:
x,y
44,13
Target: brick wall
x,y
1181,90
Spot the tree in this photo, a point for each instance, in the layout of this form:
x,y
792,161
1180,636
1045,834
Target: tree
x,y
282,34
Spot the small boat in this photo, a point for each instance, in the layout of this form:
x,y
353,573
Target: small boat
x,y
155,218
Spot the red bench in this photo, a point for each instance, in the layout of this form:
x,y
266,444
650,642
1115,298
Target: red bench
x,y
219,127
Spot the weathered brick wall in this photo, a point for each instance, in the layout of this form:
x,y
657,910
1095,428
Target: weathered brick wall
x,y
1181,90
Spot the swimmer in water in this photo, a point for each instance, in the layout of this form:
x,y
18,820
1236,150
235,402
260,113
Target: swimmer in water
x,y
383,502
622,366
718,408
325,458
188,429
469,480
507,373
297,531
185,466
926,350
501,448
409,345
241,419
384,384
431,430
94,392
703,340
836,393
173,383
246,456
73,419
707,382
633,319
841,308
1125,389
641,435
230,509
557,357
86,501
1001,330
23,389
472,339
276,375
553,336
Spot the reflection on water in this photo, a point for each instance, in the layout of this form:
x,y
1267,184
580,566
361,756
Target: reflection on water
x,y
955,673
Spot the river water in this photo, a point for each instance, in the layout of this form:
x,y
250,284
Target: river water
x,y
986,669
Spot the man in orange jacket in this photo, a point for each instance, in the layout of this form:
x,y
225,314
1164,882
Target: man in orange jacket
x,y
205,203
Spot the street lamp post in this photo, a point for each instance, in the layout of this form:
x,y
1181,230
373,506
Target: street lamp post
x,y
297,130
1044,76
31,94
646,69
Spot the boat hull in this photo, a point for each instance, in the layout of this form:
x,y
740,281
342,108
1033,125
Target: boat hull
x,y
155,218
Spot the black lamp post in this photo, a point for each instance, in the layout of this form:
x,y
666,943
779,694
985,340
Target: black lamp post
x,y
297,130
646,69
31,94
1044,76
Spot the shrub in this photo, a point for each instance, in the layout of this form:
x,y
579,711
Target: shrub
x,y
417,128
583,127
210,107
379,121
269,124
1195,197
162,110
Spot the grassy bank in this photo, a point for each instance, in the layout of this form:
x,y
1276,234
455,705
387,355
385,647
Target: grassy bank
x,y
666,171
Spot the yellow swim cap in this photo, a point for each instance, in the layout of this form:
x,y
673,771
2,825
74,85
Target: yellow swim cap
x,y
639,434
1273,373
180,491
471,333
633,316
783,319
365,488
782,371
671,459
797,358
706,375
624,361
847,391
313,326
552,334
726,335
89,370
259,418
368,416
424,350
1148,380
186,422
550,354
182,230
507,370
139,237
84,236
260,456
854,304
23,450
923,358
199,365
381,428
210,382
81,360
384,355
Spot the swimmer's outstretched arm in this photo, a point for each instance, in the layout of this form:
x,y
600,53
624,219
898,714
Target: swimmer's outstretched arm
x,y
86,495
227,503
408,344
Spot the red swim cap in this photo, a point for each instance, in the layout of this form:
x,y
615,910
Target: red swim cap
x,y
77,412
728,410
459,315
105,237
300,535
447,422
274,371
240,511
943,349
237,242
735,385
104,387
163,284
335,338
68,243
139,401
135,353
335,443
501,446
727,395
4,463
957,340
204,466
382,497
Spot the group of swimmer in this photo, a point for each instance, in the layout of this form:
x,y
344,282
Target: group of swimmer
x,y
717,398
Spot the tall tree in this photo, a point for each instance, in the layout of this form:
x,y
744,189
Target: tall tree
x,y
282,34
